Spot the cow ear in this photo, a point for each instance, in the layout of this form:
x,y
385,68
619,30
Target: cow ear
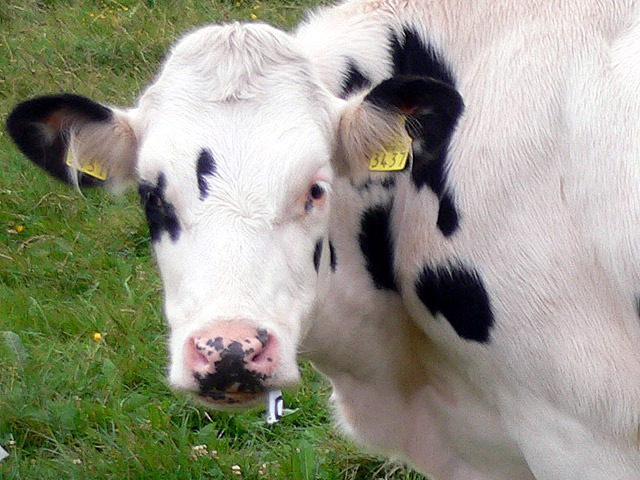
x,y
76,140
422,107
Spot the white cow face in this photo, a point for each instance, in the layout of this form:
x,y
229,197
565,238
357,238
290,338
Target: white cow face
x,y
234,174
231,150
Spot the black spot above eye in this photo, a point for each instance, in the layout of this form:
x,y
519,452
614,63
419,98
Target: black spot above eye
x,y
161,216
206,166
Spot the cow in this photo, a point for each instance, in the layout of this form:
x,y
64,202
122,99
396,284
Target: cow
x,y
476,310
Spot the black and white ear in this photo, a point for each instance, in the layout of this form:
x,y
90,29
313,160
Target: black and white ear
x,y
425,108
76,140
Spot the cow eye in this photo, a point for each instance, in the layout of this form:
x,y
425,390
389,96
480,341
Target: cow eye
x,y
315,196
317,191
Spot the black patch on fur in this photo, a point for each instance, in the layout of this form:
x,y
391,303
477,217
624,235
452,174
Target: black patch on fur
x,y
317,255
161,215
447,215
26,126
387,182
376,245
637,299
333,259
459,295
411,57
206,165
229,371
354,80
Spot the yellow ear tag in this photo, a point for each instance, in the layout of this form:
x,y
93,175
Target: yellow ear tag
x,y
93,169
393,157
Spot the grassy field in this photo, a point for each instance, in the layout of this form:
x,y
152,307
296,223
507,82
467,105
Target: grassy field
x,y
82,340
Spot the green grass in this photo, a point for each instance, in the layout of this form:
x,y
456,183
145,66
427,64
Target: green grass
x,y
73,407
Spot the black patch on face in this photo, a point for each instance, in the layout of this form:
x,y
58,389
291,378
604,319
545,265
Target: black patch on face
x,y
354,80
231,370
432,131
317,255
459,295
333,259
160,214
27,123
376,245
206,165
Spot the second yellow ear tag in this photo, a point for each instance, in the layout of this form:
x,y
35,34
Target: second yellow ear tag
x,y
393,157
93,169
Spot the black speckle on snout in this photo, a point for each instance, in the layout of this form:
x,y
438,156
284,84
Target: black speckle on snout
x,y
217,343
263,336
231,373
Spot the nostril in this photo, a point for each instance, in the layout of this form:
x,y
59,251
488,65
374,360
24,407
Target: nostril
x,y
264,357
196,357
255,357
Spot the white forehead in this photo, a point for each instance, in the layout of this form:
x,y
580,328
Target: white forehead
x,y
242,91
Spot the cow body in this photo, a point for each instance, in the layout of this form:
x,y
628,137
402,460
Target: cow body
x,y
476,312
543,170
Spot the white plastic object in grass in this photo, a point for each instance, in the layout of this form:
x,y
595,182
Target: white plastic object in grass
x,y
275,406
3,454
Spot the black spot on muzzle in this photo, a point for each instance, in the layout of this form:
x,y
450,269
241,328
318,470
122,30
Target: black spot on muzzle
x,y
231,374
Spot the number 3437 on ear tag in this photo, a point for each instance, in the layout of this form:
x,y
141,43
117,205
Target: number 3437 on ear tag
x,y
393,157
93,169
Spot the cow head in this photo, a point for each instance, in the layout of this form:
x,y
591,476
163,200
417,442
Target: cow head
x,y
233,149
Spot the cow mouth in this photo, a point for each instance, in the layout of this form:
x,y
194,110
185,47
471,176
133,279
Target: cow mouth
x,y
218,398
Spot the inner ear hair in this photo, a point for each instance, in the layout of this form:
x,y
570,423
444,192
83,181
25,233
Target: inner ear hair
x,y
112,145
364,129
